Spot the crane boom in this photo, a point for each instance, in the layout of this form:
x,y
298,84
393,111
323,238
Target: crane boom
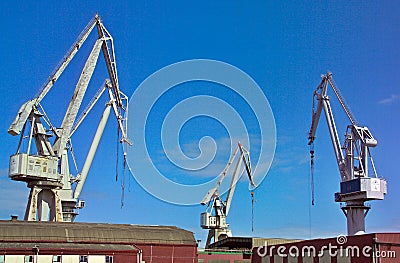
x,y
109,57
26,108
341,100
77,98
232,187
214,191
89,107
245,157
321,98
67,59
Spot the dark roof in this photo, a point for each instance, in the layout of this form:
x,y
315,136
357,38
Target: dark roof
x,y
233,243
247,243
92,233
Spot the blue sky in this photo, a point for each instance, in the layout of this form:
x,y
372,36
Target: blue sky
x,y
283,46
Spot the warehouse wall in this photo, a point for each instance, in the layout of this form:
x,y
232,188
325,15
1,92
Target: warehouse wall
x,y
219,257
156,244
168,253
67,259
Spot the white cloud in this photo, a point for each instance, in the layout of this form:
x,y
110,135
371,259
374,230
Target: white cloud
x,y
289,161
291,231
217,162
289,155
389,100
191,150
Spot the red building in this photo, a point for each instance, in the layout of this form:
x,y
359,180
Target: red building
x,y
56,242
367,248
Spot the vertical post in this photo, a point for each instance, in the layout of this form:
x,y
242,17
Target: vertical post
x,y
92,151
30,135
355,212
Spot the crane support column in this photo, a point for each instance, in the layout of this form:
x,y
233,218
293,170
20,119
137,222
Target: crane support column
x,y
92,151
44,203
355,212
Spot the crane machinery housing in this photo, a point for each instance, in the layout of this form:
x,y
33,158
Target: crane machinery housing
x,y
358,183
54,191
214,218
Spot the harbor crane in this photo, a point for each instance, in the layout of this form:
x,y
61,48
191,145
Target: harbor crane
x,y
358,182
217,210
54,191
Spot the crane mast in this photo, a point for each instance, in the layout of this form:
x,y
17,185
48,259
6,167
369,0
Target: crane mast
x,y
358,183
55,192
214,218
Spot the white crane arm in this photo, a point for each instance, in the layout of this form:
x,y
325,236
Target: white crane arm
x,y
77,98
317,107
246,160
92,151
67,59
88,108
119,117
245,157
210,194
109,56
214,191
320,95
335,139
26,108
232,186
341,100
